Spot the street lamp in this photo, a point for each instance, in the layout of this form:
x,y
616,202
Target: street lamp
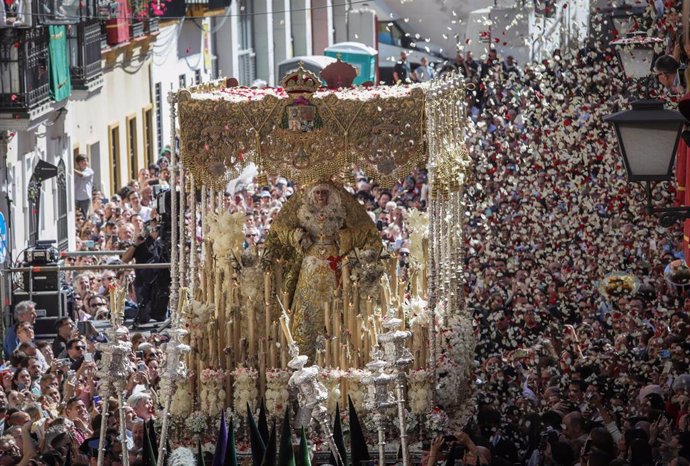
x,y
636,53
648,138
626,19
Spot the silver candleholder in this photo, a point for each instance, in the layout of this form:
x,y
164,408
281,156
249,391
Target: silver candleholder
x,y
114,369
311,394
378,397
311,397
398,359
174,370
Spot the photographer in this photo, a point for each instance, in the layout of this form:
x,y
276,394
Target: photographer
x,y
152,286
456,448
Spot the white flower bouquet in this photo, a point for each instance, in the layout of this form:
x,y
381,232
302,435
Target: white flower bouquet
x,y
244,388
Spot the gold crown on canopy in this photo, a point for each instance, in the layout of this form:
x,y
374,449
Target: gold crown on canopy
x,y
301,81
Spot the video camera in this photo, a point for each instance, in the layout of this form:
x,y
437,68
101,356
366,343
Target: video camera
x,y
41,253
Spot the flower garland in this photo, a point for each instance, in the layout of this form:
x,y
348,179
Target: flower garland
x,y
276,391
244,94
455,362
244,388
212,393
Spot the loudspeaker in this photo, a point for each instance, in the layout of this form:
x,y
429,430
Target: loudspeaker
x,y
41,281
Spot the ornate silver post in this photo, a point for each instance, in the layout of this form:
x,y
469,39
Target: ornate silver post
x,y
174,264
311,394
175,370
378,397
120,387
398,359
114,369
193,256
182,268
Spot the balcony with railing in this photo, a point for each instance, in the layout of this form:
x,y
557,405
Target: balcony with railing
x,y
85,55
24,71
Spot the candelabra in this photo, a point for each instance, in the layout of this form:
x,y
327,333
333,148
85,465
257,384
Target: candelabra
x,y
398,359
311,394
174,370
114,369
378,397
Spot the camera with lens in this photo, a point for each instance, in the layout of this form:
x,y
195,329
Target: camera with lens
x,y
548,436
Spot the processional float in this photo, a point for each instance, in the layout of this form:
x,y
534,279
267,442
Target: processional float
x,y
322,267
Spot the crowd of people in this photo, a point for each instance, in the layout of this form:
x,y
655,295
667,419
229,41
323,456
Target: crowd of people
x,y
568,370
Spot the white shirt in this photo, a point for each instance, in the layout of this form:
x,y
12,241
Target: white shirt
x,y
144,212
83,185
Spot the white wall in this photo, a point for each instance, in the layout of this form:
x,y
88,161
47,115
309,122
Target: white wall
x,y
519,32
181,48
49,142
227,43
125,93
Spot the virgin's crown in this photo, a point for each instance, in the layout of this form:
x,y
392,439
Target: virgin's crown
x,y
301,81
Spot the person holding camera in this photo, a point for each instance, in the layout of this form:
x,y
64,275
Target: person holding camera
x,y
456,447
151,285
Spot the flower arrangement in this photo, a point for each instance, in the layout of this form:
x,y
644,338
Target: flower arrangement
x,y
213,392
677,272
330,378
366,270
226,231
197,423
618,284
276,391
417,312
436,421
355,388
198,314
419,386
244,388
182,399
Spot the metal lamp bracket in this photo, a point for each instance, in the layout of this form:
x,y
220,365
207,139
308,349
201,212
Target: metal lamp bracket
x,y
667,215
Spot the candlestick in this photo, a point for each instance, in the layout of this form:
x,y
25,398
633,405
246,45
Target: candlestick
x,y
378,399
285,324
398,358
312,396
229,356
272,342
327,317
262,369
385,284
267,303
251,320
283,350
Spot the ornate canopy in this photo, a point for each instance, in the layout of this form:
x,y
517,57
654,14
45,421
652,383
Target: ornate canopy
x,y
380,129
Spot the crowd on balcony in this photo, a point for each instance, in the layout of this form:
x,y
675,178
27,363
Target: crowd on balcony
x,y
580,299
